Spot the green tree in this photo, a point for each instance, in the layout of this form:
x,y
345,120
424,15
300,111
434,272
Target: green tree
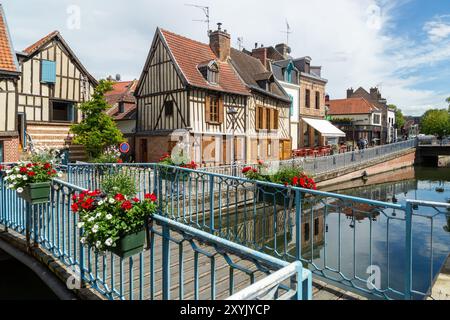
x,y
399,118
448,101
97,130
436,122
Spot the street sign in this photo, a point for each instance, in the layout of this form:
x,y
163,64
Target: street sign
x,y
124,148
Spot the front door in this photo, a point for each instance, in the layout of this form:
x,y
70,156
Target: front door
x,y
143,148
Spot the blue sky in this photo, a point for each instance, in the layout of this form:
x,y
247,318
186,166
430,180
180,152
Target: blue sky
x,y
402,46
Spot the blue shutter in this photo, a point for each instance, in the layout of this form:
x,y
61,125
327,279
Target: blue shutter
x,y
48,71
291,111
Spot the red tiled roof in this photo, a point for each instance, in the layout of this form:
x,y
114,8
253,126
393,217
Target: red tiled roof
x,y
122,92
35,46
189,54
7,55
350,106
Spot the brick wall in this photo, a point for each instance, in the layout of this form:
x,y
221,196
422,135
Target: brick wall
x,y
10,149
157,146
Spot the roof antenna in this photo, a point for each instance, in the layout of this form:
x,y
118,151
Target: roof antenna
x,y
205,11
287,32
240,41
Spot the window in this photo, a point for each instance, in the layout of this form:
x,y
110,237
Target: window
x,y
48,71
291,110
121,107
168,108
306,232
376,119
269,115
308,98
63,111
317,100
266,118
316,227
214,109
210,72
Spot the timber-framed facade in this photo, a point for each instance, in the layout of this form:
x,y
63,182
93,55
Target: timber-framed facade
x,y
209,93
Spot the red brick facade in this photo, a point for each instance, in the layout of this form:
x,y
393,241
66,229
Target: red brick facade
x,y
10,149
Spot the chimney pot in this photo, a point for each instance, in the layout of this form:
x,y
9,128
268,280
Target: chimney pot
x,y
220,43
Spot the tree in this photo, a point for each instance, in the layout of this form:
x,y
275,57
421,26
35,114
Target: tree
x,y
436,122
399,118
448,101
97,130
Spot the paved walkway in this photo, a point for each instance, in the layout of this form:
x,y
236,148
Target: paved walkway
x,y
441,289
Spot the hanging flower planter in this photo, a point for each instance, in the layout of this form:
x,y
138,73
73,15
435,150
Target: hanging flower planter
x,y
116,224
32,181
175,174
271,195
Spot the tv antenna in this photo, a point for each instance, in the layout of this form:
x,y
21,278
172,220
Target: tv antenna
x,y
287,32
205,11
240,41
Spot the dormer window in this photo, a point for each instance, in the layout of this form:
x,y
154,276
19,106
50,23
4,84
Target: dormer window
x,y
121,107
210,71
288,72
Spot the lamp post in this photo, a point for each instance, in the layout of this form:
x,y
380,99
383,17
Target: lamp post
x,y
233,112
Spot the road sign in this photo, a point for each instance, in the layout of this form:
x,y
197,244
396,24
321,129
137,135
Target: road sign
x,y
124,148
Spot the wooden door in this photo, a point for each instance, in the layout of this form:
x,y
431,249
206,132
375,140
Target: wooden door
x,y
143,148
285,149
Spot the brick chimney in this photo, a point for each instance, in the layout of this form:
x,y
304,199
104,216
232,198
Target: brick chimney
x,y
350,93
220,43
284,49
375,94
261,54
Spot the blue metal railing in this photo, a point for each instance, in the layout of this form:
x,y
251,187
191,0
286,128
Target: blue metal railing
x,y
181,262
337,236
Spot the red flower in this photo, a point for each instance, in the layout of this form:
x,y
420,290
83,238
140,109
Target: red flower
x,y
1,167
29,165
151,197
247,169
95,193
260,162
31,174
47,166
74,198
119,161
136,200
23,170
127,205
119,197
295,181
75,207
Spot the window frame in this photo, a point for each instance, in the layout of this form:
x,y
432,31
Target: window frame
x,y
308,98
168,108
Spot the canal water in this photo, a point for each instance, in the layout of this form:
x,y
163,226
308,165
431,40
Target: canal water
x,y
17,282
377,239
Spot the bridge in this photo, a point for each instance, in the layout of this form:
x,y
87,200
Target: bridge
x,y
429,152
217,237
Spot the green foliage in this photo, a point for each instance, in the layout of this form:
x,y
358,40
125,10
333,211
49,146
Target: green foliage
x,y
97,130
399,117
110,155
119,183
436,122
448,101
285,175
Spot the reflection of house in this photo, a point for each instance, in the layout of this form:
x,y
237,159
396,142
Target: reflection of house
x,y
211,91
123,108
306,88
388,131
9,75
357,117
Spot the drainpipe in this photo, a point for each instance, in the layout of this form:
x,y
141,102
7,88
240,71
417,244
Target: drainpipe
x,y
58,288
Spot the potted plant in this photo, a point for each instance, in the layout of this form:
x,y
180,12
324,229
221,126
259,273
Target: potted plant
x,y
116,224
31,180
284,177
177,160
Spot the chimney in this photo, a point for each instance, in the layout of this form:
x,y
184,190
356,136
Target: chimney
x,y
284,49
220,43
350,93
374,93
261,55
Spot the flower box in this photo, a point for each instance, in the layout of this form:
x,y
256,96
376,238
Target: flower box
x,y
268,194
130,245
36,193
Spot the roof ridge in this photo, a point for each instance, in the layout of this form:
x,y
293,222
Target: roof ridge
x,y
35,46
184,37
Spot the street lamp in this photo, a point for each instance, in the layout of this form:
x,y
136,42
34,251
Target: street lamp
x,y
233,112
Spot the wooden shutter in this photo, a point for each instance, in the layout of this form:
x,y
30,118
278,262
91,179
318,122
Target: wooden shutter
x,y
272,119
276,119
257,112
264,118
208,109
221,110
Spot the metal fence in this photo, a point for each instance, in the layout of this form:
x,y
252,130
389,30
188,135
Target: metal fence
x,y
320,165
338,237
181,262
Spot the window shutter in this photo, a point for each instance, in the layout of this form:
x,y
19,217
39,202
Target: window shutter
x,y
221,110
207,109
257,112
264,118
48,71
272,119
276,119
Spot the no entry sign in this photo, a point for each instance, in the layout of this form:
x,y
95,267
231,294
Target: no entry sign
x,y
124,148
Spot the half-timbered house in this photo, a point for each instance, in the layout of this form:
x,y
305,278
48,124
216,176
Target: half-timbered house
x,y
52,84
9,74
215,93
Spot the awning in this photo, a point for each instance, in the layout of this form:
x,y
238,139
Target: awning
x,y
325,128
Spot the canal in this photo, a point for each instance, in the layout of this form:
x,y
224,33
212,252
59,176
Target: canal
x,y
378,239
17,282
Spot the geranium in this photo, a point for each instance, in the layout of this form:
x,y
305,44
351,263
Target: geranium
x,y
21,175
105,220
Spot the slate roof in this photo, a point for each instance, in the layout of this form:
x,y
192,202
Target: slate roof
x,y
8,59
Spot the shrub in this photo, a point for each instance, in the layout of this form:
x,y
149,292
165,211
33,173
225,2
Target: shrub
x,y
119,183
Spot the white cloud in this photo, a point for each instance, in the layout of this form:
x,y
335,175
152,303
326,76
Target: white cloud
x,y
352,40
438,29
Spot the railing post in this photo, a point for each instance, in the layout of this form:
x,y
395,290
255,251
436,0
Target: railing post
x,y
28,224
298,225
81,257
211,204
408,250
166,262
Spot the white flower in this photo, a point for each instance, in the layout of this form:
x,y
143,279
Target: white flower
x,y
95,228
19,176
12,177
83,240
91,219
109,242
80,225
60,175
98,244
19,190
25,178
8,171
101,202
112,201
109,216
11,186
98,215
